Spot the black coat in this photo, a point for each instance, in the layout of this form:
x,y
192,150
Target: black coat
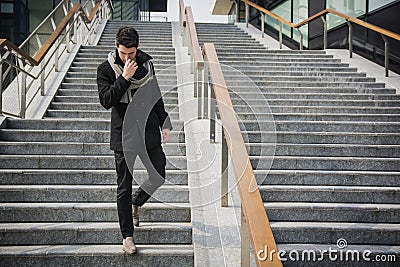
x,y
111,90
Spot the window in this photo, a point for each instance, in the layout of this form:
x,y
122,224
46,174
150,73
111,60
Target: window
x,y
352,8
7,8
375,4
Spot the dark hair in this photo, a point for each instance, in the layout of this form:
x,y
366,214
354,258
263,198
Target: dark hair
x,y
127,36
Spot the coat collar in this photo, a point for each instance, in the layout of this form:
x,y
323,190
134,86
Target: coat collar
x,y
140,58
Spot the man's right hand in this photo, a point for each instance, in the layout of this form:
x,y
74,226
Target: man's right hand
x,y
129,69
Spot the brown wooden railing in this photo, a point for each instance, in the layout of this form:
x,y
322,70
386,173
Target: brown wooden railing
x,y
384,33
255,226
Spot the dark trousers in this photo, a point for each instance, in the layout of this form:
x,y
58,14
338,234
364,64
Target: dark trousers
x,y
154,160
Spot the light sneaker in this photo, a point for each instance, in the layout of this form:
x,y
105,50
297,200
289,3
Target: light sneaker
x,y
135,215
128,245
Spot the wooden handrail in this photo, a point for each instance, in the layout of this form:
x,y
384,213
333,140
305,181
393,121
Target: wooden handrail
x,y
323,12
11,45
198,59
94,10
38,57
182,13
257,221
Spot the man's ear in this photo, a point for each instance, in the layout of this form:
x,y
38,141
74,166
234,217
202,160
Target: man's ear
x,y
117,45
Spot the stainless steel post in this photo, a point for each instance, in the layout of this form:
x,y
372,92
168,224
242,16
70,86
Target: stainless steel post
x,y
224,171
245,241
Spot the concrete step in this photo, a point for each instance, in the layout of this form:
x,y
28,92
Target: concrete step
x,y
332,212
91,114
256,65
89,212
322,102
84,193
323,150
321,126
157,66
296,72
78,72
264,56
86,136
92,233
329,233
298,83
256,90
69,124
322,117
254,98
92,92
318,109
92,255
156,56
325,194
146,43
304,78
71,148
101,60
95,99
332,177
344,162
92,80
277,60
80,162
79,177
106,49
95,106
294,137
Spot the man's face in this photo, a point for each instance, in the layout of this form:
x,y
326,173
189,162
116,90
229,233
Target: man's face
x,y
124,53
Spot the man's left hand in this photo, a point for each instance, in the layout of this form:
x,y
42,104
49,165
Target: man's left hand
x,y
166,134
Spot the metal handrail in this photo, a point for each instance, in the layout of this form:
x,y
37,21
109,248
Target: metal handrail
x,y
188,30
38,59
384,33
255,226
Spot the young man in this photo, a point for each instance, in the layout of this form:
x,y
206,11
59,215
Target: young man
x,y
118,79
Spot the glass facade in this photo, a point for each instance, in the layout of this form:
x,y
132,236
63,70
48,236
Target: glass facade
x,y
352,8
375,4
293,11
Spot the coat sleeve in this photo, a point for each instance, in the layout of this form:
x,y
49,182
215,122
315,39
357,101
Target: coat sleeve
x,y
159,108
110,89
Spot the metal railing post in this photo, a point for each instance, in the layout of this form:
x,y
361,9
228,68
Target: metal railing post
x,y
244,240
224,171
301,38
280,35
42,77
386,55
23,93
68,37
213,104
325,33
75,39
205,93
237,11
247,15
350,38
56,56
262,24
195,79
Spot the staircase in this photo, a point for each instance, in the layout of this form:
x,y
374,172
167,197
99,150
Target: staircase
x,y
336,170
58,180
